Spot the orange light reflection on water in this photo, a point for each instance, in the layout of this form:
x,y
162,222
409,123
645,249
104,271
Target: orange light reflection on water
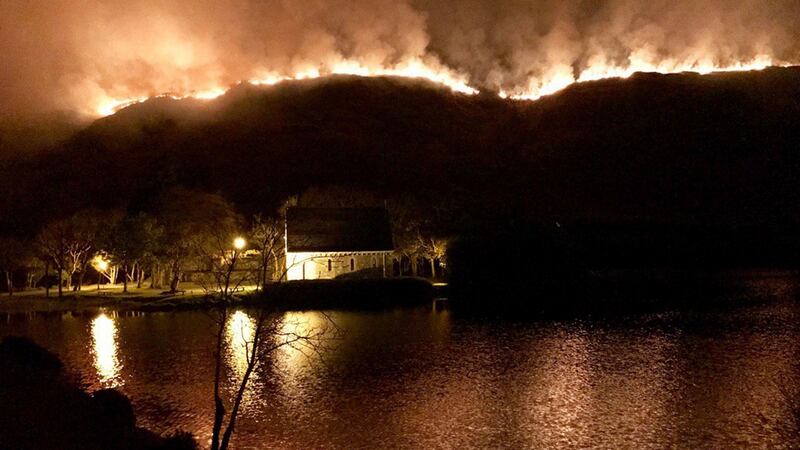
x,y
105,350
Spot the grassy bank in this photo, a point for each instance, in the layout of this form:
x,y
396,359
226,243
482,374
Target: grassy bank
x,y
109,297
294,295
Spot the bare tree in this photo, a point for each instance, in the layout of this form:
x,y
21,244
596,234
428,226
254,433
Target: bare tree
x,y
434,249
110,272
271,332
418,233
219,246
35,268
221,264
86,228
71,243
266,235
222,251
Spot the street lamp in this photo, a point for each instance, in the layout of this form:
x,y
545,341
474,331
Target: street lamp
x,y
100,265
238,245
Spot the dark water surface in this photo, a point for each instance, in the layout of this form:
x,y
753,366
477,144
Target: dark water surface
x,y
429,379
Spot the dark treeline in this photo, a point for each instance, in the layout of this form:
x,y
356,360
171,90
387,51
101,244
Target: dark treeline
x,y
655,170
568,269
192,235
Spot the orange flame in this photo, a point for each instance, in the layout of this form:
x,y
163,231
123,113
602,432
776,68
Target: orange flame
x,y
600,69
411,68
556,79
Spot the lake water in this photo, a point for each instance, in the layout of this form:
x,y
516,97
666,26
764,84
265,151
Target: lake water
x,y
424,378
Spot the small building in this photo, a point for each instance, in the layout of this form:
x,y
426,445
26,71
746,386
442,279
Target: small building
x,y
324,243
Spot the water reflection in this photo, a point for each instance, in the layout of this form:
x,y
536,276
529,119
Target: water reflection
x,y
240,330
104,349
562,389
422,379
293,361
301,333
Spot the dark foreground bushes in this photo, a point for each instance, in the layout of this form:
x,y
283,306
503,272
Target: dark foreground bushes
x,y
41,409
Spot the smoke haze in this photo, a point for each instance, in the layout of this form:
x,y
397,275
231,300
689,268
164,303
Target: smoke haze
x,y
73,54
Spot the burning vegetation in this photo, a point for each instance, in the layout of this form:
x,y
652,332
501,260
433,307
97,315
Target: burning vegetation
x,y
94,59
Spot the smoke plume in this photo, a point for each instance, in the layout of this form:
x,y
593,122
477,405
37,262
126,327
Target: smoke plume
x,y
74,55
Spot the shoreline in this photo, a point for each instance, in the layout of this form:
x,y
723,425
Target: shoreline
x,y
611,292
292,295
90,299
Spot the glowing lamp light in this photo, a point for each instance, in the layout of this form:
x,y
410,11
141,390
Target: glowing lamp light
x,y
239,243
100,264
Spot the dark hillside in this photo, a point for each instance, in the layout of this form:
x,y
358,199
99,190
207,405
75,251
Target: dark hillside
x,y
678,149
